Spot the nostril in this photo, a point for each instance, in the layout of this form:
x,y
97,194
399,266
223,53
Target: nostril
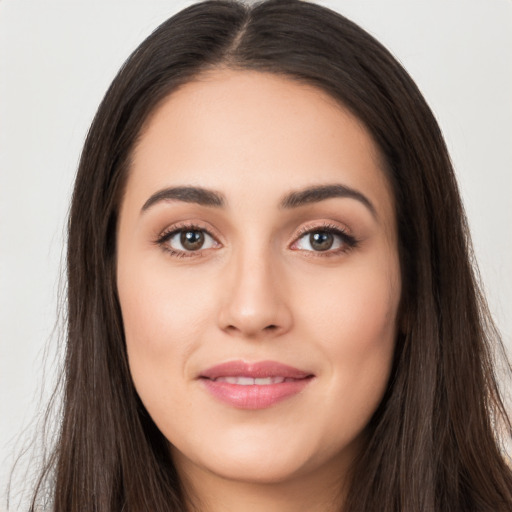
x,y
271,327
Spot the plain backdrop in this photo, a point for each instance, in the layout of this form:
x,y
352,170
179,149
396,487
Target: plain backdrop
x,y
58,58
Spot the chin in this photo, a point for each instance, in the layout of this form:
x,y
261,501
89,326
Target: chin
x,y
253,458
258,469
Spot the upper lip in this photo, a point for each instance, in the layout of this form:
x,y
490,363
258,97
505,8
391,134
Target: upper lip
x,y
260,369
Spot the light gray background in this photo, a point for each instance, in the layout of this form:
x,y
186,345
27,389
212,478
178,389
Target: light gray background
x,y
58,58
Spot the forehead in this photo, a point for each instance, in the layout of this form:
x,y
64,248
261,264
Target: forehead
x,y
227,128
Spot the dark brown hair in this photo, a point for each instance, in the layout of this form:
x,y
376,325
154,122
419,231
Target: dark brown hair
x,y
432,444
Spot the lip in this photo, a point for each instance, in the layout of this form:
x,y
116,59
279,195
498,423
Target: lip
x,y
254,396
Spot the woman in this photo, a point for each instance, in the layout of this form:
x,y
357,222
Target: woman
x,y
271,304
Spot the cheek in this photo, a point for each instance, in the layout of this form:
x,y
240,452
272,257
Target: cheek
x,y
360,301
362,318
163,318
160,309
353,317
162,323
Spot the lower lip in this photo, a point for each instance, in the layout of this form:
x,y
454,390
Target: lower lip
x,y
254,396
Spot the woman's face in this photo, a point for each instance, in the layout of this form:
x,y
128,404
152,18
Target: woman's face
x,y
258,277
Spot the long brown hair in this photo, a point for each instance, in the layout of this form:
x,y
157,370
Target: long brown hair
x,y
432,444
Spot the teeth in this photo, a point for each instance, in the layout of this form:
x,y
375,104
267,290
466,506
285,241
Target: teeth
x,y
243,381
249,381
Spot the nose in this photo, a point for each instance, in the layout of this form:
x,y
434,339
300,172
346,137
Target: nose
x,y
255,300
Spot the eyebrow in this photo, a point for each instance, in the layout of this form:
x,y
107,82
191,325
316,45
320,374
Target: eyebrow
x,y
295,199
187,194
323,192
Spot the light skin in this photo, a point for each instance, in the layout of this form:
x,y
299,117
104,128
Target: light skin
x,y
269,272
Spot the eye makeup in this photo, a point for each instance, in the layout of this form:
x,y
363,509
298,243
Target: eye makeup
x,y
193,239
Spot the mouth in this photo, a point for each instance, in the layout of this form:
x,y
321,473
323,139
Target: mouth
x,y
250,381
254,385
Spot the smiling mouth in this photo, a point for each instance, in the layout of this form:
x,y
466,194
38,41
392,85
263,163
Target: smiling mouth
x,y
254,385
250,381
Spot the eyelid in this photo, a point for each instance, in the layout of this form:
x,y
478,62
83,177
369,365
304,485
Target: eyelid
x,y
322,225
348,240
193,225
342,232
169,232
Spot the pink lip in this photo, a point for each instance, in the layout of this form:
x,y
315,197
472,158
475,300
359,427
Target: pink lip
x,y
254,396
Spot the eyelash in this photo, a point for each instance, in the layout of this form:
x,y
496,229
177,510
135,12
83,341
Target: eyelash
x,y
168,234
349,242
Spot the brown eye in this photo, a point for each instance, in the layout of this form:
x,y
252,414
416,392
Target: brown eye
x,y
330,240
192,240
188,240
321,241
